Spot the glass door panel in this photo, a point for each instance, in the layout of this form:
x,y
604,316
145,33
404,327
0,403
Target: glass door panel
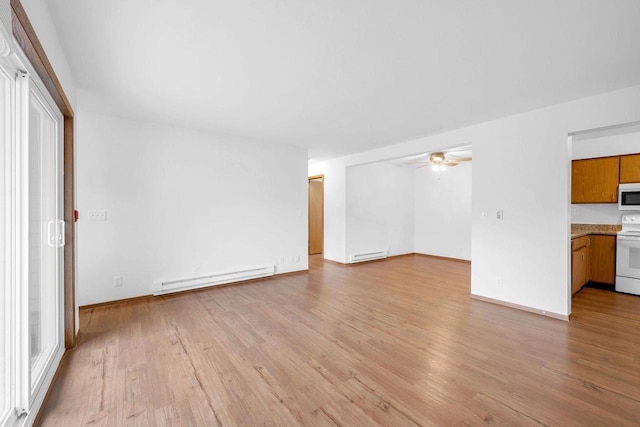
x,y
42,299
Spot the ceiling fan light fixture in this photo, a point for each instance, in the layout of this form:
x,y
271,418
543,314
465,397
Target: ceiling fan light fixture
x,y
438,160
437,157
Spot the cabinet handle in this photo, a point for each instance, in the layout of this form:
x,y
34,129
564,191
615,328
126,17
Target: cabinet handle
x,y
588,241
582,256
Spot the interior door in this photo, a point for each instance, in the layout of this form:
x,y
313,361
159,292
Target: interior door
x,y
316,215
41,289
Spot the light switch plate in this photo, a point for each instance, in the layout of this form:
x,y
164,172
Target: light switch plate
x,y
97,215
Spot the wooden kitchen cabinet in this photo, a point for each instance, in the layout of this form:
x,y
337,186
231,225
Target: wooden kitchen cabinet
x,y
580,265
595,180
630,168
603,259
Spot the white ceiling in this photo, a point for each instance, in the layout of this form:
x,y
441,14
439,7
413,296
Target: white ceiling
x,y
341,76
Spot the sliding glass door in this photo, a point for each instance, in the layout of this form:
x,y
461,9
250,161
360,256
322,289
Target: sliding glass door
x,y
31,238
42,291
31,245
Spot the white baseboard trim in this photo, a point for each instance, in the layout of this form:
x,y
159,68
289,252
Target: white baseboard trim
x,y
522,307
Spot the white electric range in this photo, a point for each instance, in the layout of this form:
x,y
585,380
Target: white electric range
x,y
628,255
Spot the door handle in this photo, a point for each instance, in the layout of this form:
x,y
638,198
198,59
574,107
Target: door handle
x,y
62,229
50,238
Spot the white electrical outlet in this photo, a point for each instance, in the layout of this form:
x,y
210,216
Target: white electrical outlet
x,y
97,215
499,281
117,281
281,260
297,258
499,215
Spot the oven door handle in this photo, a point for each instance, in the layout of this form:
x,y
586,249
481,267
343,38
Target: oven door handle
x,y
635,238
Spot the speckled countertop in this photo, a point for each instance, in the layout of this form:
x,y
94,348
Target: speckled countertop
x,y
579,230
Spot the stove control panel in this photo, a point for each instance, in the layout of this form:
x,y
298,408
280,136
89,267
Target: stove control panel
x,y
631,219
630,224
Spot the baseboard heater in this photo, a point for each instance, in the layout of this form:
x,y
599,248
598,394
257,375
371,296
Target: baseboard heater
x,y
367,256
163,288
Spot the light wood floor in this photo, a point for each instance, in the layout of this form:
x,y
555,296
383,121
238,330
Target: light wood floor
x,y
397,342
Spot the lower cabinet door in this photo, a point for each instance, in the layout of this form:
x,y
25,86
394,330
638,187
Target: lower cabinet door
x,y
576,271
603,259
579,269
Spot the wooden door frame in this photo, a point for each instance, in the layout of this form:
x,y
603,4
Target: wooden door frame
x,y
26,37
312,178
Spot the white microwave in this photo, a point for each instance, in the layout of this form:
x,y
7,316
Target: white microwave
x,y
629,197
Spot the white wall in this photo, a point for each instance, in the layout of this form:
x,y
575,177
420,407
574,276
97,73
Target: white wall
x,y
521,165
602,144
182,203
625,140
380,208
600,213
40,18
5,15
443,211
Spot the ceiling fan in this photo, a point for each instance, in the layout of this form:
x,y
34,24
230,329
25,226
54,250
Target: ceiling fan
x,y
440,160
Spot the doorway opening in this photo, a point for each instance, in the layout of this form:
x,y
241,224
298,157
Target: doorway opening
x,y
316,214
603,160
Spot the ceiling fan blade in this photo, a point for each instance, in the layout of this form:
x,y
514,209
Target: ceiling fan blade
x,y
449,160
460,159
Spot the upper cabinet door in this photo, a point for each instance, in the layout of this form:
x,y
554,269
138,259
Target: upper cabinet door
x,y
595,180
630,168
